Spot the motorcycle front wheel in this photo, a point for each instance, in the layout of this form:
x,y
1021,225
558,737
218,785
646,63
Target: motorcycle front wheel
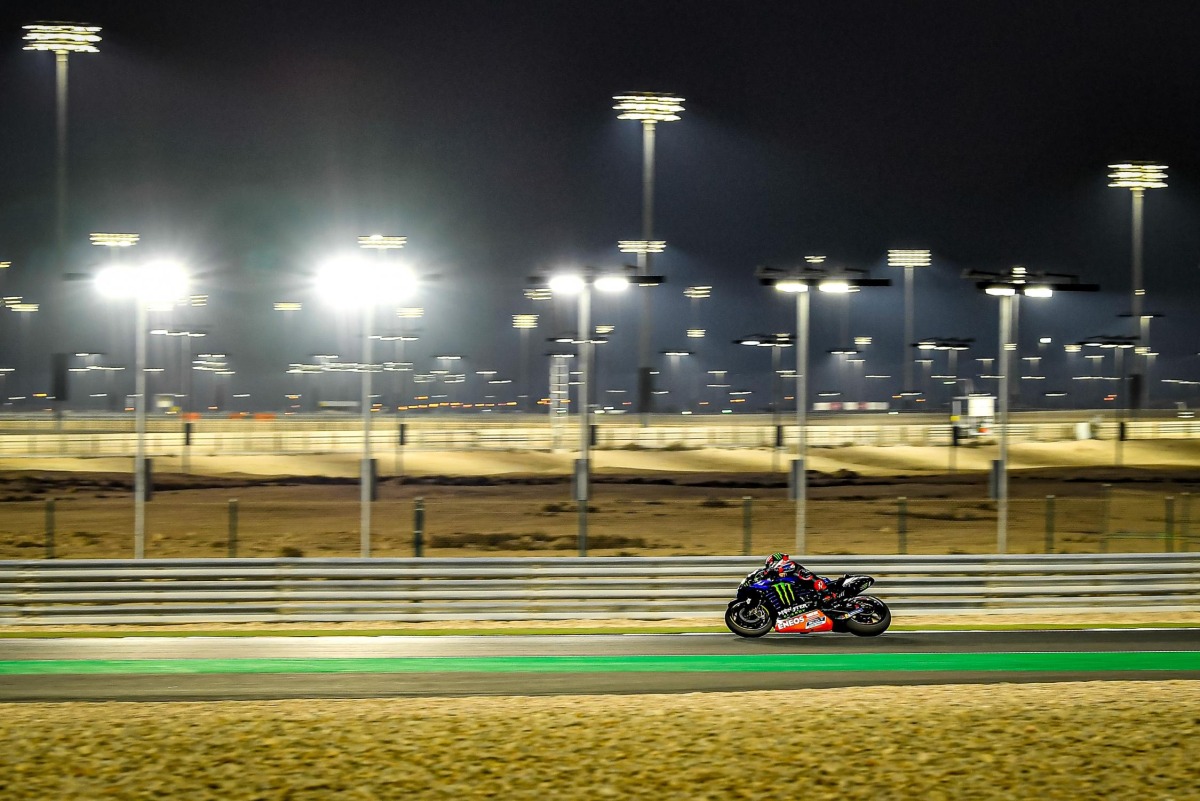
x,y
871,619
749,619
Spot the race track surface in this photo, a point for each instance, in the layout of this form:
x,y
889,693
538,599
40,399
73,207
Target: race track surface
x,y
212,668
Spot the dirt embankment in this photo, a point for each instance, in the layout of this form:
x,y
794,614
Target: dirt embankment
x,y
1050,741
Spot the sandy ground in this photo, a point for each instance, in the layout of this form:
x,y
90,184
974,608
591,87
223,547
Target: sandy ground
x,y
659,512
1053,741
896,460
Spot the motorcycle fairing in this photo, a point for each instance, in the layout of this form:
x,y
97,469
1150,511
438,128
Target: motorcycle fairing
x,y
807,622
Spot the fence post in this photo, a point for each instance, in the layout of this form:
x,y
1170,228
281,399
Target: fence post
x,y
1169,541
1049,524
1105,514
419,527
902,523
1185,522
49,528
747,503
233,528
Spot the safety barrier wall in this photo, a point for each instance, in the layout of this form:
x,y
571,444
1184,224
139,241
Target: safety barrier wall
x,y
297,590
114,437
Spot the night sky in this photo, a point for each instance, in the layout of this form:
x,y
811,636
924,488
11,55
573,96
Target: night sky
x,y
254,139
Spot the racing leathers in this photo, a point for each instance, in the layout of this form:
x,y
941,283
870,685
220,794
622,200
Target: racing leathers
x,y
810,587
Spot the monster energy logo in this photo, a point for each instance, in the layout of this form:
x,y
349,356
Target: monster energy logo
x,y
786,593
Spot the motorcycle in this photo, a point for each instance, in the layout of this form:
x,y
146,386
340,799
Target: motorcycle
x,y
765,602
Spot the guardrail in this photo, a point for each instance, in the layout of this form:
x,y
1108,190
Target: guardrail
x,y
310,590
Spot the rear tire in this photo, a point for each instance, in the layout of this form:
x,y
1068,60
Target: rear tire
x,y
872,619
749,619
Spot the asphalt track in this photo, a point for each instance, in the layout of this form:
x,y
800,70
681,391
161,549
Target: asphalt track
x,y
243,668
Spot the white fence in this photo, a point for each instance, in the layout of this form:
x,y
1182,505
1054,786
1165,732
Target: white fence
x,y
297,590
113,436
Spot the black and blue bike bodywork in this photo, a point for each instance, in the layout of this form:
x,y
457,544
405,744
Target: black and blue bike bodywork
x,y
765,602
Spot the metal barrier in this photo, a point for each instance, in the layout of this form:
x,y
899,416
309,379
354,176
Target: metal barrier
x,y
298,590
113,435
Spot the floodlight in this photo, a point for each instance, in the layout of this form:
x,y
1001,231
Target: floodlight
x,y
648,107
908,258
114,240
611,283
641,245
152,283
62,37
566,283
1138,175
352,281
381,242
835,285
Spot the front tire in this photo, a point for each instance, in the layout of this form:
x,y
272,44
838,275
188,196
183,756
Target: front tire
x,y
872,618
749,618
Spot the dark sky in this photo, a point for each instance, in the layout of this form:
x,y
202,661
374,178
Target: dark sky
x,y
252,139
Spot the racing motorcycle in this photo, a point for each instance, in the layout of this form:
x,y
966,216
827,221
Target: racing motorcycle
x,y
765,601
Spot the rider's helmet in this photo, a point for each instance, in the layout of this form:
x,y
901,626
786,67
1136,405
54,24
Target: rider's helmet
x,y
777,557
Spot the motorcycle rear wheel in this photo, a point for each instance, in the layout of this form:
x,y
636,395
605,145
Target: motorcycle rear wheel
x,y
747,619
872,620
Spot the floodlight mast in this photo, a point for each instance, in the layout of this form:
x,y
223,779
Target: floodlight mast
x,y
367,478
1137,177
1008,287
649,108
798,281
524,323
909,260
62,39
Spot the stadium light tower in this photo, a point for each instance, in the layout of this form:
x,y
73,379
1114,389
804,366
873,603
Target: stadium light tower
x,y
62,39
148,285
1137,177
582,283
909,260
649,109
358,283
797,282
524,323
1008,286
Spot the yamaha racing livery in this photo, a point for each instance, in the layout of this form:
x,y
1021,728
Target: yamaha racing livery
x,y
767,601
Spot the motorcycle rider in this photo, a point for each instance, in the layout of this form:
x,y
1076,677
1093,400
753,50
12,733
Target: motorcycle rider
x,y
813,588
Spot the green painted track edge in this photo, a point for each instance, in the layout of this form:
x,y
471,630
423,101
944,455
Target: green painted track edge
x,y
1027,661
254,631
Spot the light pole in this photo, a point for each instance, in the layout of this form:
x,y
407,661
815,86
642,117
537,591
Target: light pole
x,y
1137,177
673,376
797,281
644,248
525,323
62,39
1008,286
909,260
952,346
648,108
358,283
776,342
116,244
581,284
1118,345
153,283
185,361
